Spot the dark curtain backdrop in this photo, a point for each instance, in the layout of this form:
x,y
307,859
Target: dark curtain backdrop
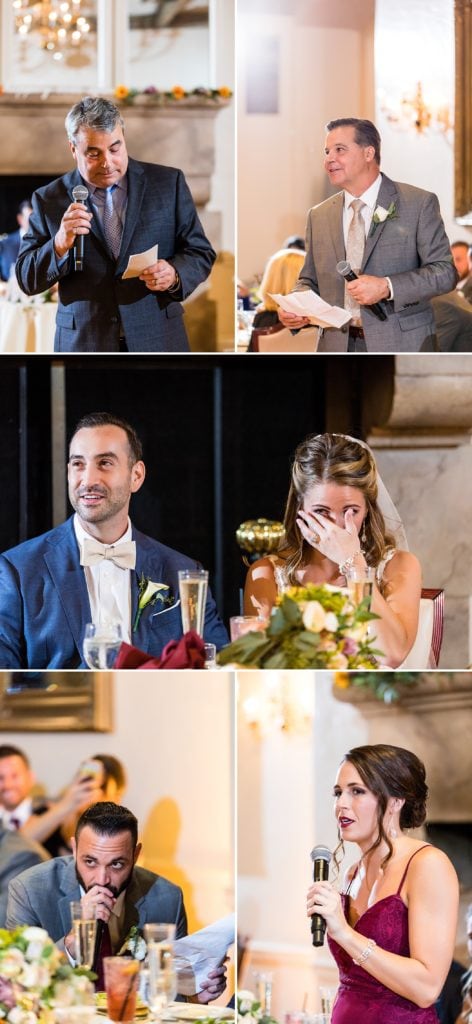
x,y
218,435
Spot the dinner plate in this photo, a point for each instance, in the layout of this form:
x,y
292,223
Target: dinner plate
x,y
196,1011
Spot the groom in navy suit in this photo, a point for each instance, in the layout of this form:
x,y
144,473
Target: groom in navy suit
x,y
129,206
94,566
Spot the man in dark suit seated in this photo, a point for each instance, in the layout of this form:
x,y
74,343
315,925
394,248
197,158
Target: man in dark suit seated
x,y
102,873
10,245
94,567
130,206
453,316
17,853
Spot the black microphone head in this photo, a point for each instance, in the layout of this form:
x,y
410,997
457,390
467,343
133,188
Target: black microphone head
x,y
344,268
321,853
80,194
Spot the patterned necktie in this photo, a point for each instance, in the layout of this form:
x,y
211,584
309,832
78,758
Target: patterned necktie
x,y
111,221
103,948
123,555
355,246
15,824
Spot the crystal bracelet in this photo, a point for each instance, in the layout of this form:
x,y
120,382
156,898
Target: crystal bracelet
x,y
366,954
348,563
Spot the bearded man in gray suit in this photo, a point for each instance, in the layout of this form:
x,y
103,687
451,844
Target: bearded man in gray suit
x,y
103,875
394,238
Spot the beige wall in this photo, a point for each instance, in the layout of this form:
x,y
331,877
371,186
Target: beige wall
x,y
174,736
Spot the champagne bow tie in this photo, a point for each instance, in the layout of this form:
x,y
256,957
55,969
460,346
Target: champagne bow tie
x,y
124,555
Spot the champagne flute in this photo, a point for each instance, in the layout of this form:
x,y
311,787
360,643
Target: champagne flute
x,y
85,932
102,643
193,585
360,582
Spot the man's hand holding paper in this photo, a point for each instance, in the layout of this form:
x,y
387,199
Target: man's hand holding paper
x,y
298,309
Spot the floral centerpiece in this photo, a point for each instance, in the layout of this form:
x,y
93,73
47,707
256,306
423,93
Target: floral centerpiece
x,y
36,979
251,1009
385,686
309,627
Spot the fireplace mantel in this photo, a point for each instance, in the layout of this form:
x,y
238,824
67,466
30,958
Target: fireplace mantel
x,y
178,133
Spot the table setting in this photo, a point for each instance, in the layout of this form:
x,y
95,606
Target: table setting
x,y
27,324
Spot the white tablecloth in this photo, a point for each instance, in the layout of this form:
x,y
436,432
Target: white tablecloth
x,y
27,327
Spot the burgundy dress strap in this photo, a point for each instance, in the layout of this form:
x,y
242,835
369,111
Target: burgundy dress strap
x,y
352,879
424,847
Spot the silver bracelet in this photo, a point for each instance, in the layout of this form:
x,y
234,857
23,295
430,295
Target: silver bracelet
x,y
348,563
366,954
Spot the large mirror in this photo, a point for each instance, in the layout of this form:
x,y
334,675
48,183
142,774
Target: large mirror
x,y
56,702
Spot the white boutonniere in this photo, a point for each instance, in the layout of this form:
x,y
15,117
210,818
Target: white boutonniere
x,y
134,944
148,594
381,214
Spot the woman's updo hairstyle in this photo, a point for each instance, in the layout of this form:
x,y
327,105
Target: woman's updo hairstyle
x,y
333,458
392,771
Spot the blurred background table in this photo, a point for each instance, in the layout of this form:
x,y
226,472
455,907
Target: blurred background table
x,y
27,327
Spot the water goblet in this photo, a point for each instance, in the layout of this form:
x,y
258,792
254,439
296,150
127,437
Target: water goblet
x,y
102,642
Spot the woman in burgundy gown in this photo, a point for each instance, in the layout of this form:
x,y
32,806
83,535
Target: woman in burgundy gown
x,y
392,932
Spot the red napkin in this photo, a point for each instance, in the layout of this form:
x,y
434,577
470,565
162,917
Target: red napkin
x,y
188,652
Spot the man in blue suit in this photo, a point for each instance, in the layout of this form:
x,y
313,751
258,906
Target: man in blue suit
x,y
10,245
102,873
130,206
94,566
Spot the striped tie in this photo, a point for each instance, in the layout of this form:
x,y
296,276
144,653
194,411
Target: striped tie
x,y
111,222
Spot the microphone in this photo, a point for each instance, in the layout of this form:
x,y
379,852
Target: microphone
x,y
79,195
321,857
344,268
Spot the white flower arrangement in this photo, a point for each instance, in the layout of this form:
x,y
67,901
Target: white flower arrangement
x,y
35,978
380,215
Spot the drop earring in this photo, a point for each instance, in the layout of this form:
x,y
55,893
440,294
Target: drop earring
x,y
363,534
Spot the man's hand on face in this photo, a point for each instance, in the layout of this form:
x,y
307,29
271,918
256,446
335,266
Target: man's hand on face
x,y
97,904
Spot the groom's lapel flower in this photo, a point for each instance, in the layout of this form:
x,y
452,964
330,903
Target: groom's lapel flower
x,y
133,944
148,594
381,214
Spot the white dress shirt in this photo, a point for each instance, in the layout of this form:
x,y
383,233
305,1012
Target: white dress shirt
x,y
19,814
108,586
369,197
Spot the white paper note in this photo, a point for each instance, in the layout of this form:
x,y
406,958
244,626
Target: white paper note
x,y
140,261
308,303
198,954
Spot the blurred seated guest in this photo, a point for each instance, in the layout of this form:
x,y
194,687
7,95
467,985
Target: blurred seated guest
x,y
339,515
16,855
96,567
460,256
279,278
465,1016
107,776
244,295
36,819
294,242
453,318
449,1003
10,245
102,873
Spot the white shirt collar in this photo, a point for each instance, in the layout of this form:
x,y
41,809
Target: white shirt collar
x,y
21,812
82,534
369,197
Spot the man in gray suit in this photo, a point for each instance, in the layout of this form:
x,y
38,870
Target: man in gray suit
x,y
394,238
17,853
129,206
102,873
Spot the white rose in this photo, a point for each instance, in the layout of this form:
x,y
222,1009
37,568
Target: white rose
x,y
331,622
245,1000
314,617
33,934
381,214
12,963
32,976
18,1016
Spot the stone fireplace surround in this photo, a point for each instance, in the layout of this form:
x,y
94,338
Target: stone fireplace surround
x,y
33,140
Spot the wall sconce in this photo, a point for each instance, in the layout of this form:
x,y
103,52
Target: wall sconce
x,y
414,112
281,704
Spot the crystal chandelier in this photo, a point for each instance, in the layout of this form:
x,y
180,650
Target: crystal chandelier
x,y
59,25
